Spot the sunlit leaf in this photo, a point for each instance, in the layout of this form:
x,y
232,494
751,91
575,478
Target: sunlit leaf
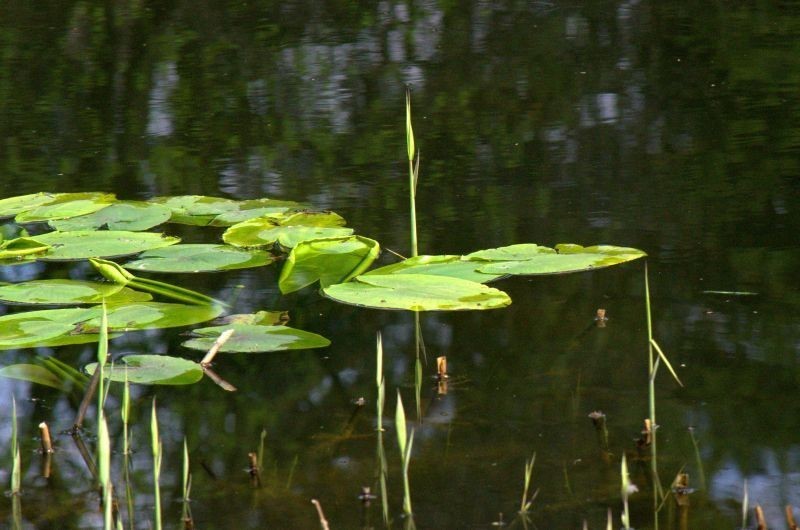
x,y
566,258
417,292
452,266
263,318
152,315
519,252
33,328
333,260
288,231
22,248
82,244
249,338
13,205
32,373
152,370
122,215
253,208
199,258
65,205
68,292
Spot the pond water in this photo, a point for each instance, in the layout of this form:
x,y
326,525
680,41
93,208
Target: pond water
x,y
667,126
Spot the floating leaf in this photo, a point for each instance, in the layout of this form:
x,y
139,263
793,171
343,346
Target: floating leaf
x,y
567,258
330,261
417,292
65,205
152,315
263,318
286,230
32,373
249,338
199,258
60,292
519,252
196,210
255,208
452,266
82,244
13,205
38,328
152,370
122,215
21,248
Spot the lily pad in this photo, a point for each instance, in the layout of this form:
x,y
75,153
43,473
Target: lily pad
x,y
417,292
198,210
519,252
255,208
82,244
32,373
13,205
199,258
40,328
122,215
152,315
333,260
152,370
250,338
66,205
452,266
68,292
21,248
288,231
566,258
263,318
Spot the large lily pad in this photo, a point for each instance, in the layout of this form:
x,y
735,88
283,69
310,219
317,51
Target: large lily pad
x,y
41,328
417,292
288,231
68,292
250,338
122,215
152,315
251,209
152,370
333,260
82,244
199,210
66,205
199,258
13,205
565,258
452,266
519,252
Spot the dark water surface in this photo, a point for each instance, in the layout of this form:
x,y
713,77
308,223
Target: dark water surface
x,y
669,126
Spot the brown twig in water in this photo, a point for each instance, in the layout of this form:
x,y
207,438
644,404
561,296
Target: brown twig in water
x,y
221,340
214,376
760,521
252,468
322,521
87,399
790,518
47,443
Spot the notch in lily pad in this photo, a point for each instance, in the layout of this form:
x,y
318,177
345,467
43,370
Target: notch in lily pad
x,y
255,338
84,244
193,257
131,216
529,259
287,230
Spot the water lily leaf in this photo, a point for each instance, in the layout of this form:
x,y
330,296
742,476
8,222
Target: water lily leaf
x,y
82,244
68,292
32,373
520,252
568,258
333,260
65,205
286,230
452,266
152,370
13,205
39,328
198,210
133,216
199,258
249,338
21,247
151,315
417,292
263,318
253,208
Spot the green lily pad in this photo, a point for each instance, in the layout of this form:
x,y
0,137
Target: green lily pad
x,y
68,292
66,205
249,338
32,373
82,244
40,328
133,216
263,318
13,205
152,315
286,230
452,266
199,258
567,258
198,210
256,208
519,252
152,370
333,260
417,292
21,248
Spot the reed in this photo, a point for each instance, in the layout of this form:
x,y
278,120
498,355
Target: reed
x,y
16,461
626,489
186,476
413,173
405,441
745,503
379,381
527,501
155,442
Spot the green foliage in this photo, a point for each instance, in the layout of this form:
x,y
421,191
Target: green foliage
x,y
251,338
131,216
84,244
188,258
329,261
152,370
68,292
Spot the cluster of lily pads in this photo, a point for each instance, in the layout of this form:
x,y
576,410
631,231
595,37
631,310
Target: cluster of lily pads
x,y
313,246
